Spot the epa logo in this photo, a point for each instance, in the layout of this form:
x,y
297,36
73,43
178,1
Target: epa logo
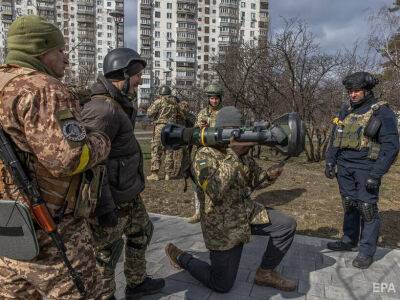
x,y
383,287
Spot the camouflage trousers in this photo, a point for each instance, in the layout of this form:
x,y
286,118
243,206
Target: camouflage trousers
x,y
47,275
157,151
134,223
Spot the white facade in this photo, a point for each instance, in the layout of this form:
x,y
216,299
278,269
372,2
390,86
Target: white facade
x,y
89,30
182,38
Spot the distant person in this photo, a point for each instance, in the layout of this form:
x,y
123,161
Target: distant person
x,y
206,118
364,144
163,110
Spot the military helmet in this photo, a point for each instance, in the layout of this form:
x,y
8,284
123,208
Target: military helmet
x,y
360,81
229,116
214,90
121,63
165,90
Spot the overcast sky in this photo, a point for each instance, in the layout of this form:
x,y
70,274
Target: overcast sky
x,y
336,23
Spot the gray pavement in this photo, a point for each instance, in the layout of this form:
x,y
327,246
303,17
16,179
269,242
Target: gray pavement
x,y
321,274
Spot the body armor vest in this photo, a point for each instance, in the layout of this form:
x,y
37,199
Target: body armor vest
x,y
349,133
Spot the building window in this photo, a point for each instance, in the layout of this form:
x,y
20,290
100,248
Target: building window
x,y
253,6
243,4
169,15
156,53
157,63
157,44
169,25
157,4
157,14
157,24
157,34
169,5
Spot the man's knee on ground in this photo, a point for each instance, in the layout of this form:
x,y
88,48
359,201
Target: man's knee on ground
x,y
288,224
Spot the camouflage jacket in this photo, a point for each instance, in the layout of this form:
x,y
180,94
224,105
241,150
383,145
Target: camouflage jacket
x,y
43,120
164,110
207,114
225,204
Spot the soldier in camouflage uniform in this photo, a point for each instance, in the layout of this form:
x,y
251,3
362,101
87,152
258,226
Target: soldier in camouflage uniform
x,y
227,176
111,110
206,118
164,110
37,111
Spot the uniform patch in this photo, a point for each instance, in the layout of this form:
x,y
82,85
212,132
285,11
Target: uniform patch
x,y
73,131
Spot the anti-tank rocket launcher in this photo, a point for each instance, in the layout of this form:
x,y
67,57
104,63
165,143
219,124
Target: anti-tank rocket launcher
x,y
286,134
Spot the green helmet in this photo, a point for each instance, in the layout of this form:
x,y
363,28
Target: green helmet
x,y
165,90
214,90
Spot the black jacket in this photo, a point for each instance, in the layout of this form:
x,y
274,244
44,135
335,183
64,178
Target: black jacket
x,y
113,113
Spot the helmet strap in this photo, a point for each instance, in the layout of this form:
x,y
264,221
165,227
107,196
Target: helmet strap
x,y
125,88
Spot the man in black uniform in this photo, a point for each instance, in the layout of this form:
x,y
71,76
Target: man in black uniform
x,y
364,144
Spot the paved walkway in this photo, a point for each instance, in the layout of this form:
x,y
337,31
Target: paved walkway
x,y
321,274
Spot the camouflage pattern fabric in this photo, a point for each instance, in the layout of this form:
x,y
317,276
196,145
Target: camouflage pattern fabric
x,y
135,224
30,107
207,114
33,123
47,274
157,151
225,205
163,110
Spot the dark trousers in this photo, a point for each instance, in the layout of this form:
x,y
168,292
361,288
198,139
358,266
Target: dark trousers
x,y
221,274
355,230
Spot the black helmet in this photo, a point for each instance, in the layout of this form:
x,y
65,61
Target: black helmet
x,y
165,90
121,63
360,81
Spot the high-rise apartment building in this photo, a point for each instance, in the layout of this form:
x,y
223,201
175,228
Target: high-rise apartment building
x,y
181,39
90,28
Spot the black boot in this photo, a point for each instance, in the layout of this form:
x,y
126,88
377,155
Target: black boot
x,y
362,262
149,286
341,246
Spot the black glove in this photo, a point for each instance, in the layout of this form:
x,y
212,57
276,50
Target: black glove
x,y
109,219
372,184
330,171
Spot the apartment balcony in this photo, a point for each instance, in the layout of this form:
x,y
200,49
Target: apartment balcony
x,y
89,18
229,5
230,13
86,11
7,11
187,18
185,77
186,39
87,3
185,59
187,2
187,10
145,5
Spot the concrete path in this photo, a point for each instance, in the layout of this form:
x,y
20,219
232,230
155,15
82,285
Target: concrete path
x,y
321,274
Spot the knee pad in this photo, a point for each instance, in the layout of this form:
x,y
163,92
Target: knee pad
x,y
368,211
349,205
142,238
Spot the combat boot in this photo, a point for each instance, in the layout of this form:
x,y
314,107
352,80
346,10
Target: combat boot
x,y
173,253
341,246
153,176
273,279
362,262
194,219
149,286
